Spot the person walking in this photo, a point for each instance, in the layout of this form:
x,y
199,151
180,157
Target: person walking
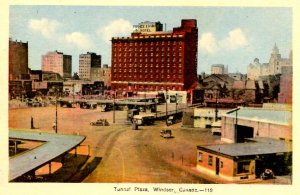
x,y
31,123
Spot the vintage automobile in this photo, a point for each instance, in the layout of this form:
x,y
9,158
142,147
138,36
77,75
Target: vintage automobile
x,y
100,122
166,133
267,174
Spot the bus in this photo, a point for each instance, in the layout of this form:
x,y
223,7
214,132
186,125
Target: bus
x,y
145,119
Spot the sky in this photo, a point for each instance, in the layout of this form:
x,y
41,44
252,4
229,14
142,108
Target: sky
x,y
232,36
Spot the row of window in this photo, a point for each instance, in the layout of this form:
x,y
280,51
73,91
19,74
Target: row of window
x,y
151,65
145,60
146,49
209,161
161,56
242,166
145,87
162,76
147,43
145,70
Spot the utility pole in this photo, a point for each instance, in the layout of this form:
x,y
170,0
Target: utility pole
x,y
216,109
176,103
56,114
73,93
166,106
114,113
145,100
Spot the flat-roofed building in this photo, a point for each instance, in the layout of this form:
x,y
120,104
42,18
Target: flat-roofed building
x,y
152,59
246,122
245,161
89,66
18,60
57,62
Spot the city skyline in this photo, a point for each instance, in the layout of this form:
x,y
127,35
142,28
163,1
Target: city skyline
x,y
232,36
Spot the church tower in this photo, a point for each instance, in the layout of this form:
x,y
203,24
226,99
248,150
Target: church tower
x,y
274,62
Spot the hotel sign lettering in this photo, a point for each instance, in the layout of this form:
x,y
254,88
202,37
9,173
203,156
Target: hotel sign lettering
x,y
145,27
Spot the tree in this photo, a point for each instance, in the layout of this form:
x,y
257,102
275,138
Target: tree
x,y
75,76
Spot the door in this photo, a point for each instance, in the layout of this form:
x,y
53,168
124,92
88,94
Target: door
x,y
217,166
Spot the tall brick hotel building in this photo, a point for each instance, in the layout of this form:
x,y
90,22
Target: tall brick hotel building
x,y
152,59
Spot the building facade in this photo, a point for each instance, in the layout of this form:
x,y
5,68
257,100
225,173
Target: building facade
x,y
102,74
152,59
219,69
18,60
246,122
245,161
57,62
276,65
89,66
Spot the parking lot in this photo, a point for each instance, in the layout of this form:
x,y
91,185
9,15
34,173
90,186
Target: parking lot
x,y
126,155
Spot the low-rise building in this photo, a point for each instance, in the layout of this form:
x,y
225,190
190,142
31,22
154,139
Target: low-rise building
x,y
245,161
245,122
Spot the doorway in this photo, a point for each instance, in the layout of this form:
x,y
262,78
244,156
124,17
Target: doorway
x,y
217,166
243,132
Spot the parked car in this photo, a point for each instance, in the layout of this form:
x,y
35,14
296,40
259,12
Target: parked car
x,y
267,174
100,122
166,133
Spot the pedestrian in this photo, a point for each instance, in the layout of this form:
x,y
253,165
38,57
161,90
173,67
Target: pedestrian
x,y
54,125
31,123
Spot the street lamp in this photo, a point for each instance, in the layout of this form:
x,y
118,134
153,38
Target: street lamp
x,y
145,99
56,114
167,106
176,103
114,113
55,89
73,93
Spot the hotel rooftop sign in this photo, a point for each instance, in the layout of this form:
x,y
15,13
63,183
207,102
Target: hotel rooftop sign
x,y
147,27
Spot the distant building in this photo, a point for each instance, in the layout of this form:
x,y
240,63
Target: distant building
x,y
57,62
89,66
18,60
237,76
219,69
216,86
276,65
39,75
152,59
104,75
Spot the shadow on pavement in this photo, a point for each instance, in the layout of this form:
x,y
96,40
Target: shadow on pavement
x,y
86,170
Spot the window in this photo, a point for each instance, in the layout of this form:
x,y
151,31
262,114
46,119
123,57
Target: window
x,y
210,160
199,157
243,167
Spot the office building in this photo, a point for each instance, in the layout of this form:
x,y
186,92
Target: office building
x,y
89,66
57,62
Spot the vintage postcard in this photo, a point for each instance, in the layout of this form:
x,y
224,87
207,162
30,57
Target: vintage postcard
x,y
128,98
